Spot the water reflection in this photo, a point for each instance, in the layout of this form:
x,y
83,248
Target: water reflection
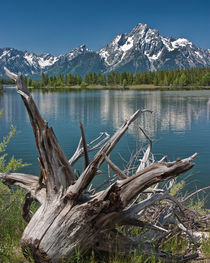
x,y
172,111
180,123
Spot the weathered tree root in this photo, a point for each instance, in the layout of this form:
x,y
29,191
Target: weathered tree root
x,y
71,216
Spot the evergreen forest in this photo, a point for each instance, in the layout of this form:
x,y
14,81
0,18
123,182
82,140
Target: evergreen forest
x,y
174,78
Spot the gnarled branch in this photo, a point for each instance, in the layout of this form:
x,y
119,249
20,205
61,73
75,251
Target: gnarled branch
x,y
57,172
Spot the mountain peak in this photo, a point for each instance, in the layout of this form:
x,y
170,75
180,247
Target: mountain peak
x,y
82,47
139,29
145,49
140,26
142,49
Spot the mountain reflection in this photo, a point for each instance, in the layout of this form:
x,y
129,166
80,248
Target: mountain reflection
x,y
172,111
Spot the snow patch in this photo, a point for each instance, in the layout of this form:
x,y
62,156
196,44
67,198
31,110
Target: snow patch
x,y
5,52
29,58
104,54
198,54
128,44
48,62
167,43
116,40
43,61
155,56
181,42
77,51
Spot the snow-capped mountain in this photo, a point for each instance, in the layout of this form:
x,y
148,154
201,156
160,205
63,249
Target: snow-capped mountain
x,y
79,61
25,62
142,49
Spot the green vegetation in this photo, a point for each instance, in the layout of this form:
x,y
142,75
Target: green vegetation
x,y
6,81
173,78
11,221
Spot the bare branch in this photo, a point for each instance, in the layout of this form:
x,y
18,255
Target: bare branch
x,y
163,159
58,173
145,203
100,143
80,150
87,176
10,74
146,154
28,182
133,221
115,168
196,192
86,158
155,173
152,191
26,207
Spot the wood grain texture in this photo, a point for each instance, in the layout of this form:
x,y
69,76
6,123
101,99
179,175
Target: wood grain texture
x,y
71,216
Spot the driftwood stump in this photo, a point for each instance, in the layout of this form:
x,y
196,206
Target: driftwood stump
x,y
72,216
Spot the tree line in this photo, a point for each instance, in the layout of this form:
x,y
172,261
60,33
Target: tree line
x,y
4,81
177,77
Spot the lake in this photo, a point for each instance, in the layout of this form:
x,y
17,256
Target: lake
x,y
178,126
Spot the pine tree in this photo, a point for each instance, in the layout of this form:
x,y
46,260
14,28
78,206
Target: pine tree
x,y
206,80
110,79
95,79
79,79
87,79
183,80
117,78
29,82
124,82
124,76
155,81
130,78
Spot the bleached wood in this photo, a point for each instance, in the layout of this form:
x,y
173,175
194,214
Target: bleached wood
x,y
86,157
195,192
70,217
57,172
89,173
115,168
145,158
28,182
99,141
150,175
10,74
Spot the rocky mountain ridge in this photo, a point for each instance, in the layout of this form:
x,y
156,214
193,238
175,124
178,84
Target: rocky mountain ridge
x,y
142,49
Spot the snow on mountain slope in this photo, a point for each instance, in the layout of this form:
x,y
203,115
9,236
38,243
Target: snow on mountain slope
x,y
28,63
142,49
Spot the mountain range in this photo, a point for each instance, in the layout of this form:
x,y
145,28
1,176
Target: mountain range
x,y
142,49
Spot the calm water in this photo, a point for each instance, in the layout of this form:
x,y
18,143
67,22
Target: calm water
x,y
179,125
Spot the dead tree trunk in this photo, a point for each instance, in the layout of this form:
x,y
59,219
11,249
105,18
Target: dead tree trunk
x,y
72,216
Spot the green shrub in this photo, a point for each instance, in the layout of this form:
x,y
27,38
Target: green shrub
x,y
84,84
11,221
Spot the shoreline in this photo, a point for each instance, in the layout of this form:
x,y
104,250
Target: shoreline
x,y
119,87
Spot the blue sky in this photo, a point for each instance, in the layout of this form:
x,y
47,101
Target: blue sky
x,y
59,26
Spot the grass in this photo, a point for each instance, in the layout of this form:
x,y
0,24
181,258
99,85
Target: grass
x,y
206,247
12,226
